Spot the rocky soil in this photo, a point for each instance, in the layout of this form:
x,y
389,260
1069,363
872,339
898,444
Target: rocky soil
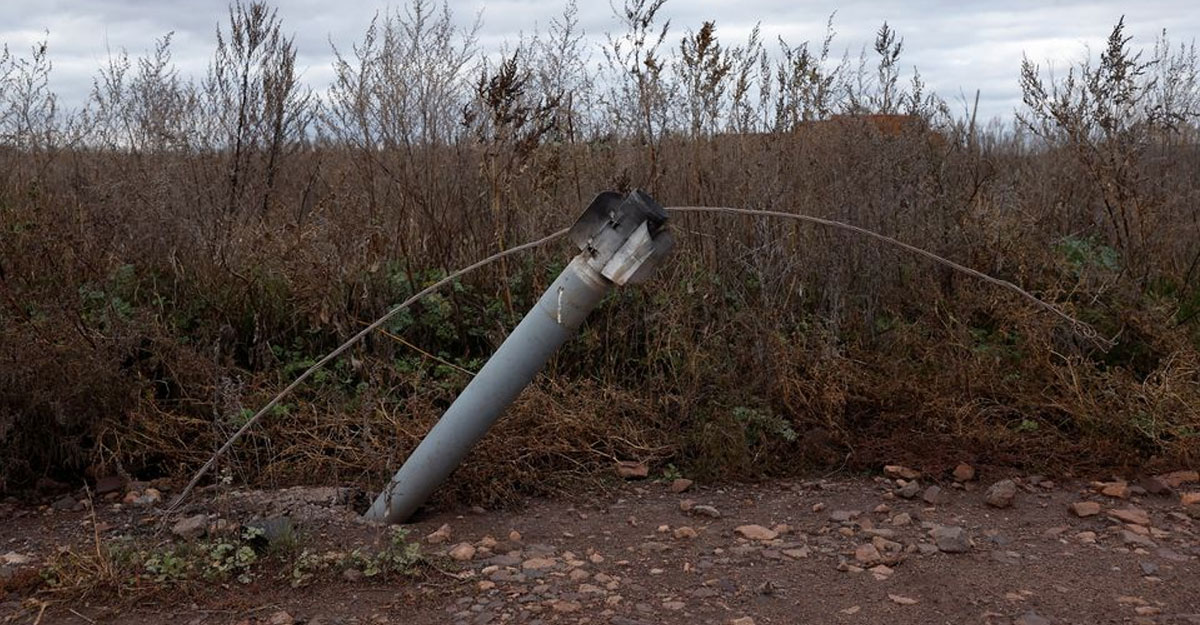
x,y
898,548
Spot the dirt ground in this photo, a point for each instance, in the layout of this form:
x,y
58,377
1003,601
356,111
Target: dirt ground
x,y
845,550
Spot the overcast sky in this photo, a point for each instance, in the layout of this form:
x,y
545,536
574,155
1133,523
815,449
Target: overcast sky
x,y
959,46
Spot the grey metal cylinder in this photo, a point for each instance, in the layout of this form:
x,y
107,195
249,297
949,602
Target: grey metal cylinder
x,y
555,318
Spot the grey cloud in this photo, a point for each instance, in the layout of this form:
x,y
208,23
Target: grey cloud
x,y
958,46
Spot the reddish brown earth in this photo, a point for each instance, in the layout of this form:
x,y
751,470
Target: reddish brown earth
x,y
622,557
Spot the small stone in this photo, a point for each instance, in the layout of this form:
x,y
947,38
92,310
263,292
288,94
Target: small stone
x,y
817,507
439,536
1154,485
882,508
1190,499
1147,610
485,585
843,516
1148,568
578,575
13,558
902,519
352,575
537,564
514,536
653,547
756,532
680,485
964,472
707,511
909,490
932,495
1119,490
673,606
902,600
462,552
1176,479
191,528
854,609
950,539
867,554
64,503
902,472
1134,538
281,618
684,532
881,572
632,470
796,554
563,606
1001,494
1170,555
745,620
1032,618
1137,516
1083,509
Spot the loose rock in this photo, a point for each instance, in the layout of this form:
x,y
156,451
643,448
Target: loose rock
x,y
1032,618
1001,494
1137,516
1119,490
842,516
66,502
1085,508
537,564
1179,478
680,485
632,470
756,532
685,532
191,527
563,606
462,552
867,554
950,539
439,536
964,472
899,471
1154,486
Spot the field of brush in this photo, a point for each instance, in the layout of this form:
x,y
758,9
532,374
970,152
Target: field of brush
x,y
178,250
